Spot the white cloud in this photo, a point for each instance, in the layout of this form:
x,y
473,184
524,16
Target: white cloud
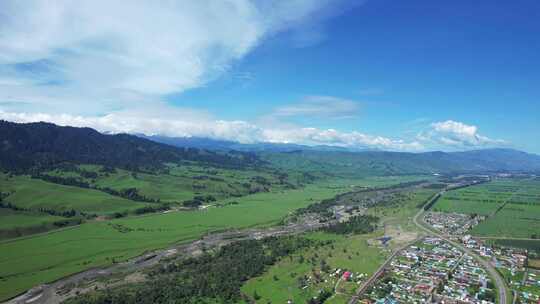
x,y
178,122
320,106
455,134
92,56
186,123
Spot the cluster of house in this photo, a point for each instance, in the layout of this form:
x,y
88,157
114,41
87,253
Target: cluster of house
x,y
347,275
452,223
469,283
524,281
432,271
530,291
343,213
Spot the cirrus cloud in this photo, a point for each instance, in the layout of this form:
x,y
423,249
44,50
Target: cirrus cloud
x,y
320,106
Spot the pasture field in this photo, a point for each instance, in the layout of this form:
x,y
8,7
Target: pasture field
x,y
181,182
11,219
482,199
512,207
34,194
15,223
533,246
27,262
513,220
285,280
385,181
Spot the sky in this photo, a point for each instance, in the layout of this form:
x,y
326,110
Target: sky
x,y
377,74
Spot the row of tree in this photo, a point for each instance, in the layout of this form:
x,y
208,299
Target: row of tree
x,y
128,193
359,224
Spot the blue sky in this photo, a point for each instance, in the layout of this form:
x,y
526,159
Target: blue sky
x,y
394,75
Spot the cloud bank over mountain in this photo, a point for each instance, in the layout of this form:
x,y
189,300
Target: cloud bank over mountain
x,y
246,132
111,65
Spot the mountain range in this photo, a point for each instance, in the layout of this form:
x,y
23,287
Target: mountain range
x,y
42,145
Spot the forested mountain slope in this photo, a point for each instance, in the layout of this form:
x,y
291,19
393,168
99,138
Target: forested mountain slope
x,y
23,146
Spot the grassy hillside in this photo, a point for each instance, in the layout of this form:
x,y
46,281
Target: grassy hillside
x,y
179,183
34,194
398,163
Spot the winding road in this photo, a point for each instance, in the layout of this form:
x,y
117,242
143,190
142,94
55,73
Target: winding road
x,y
499,281
418,221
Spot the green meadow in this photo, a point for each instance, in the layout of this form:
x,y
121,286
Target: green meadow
x,y
29,261
512,207
514,220
11,219
34,194
281,282
179,183
32,260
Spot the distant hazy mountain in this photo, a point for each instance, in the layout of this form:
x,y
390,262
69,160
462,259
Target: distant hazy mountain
x,y
23,146
329,158
224,145
42,145
389,163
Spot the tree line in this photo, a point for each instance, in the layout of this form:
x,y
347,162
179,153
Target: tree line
x,y
214,277
359,224
128,193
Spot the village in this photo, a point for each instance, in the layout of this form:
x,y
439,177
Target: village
x,y
432,270
513,264
452,223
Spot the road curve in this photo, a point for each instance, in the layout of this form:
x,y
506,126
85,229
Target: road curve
x,y
499,281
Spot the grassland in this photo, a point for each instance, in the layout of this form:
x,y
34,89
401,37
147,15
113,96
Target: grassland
x,y
512,207
33,260
182,182
34,194
482,199
11,219
383,181
533,246
281,282
18,223
396,218
519,221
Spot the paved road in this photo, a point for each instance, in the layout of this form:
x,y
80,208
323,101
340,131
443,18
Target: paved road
x,y
499,281
360,291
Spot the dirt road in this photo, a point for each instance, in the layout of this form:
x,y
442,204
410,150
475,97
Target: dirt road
x,y
63,289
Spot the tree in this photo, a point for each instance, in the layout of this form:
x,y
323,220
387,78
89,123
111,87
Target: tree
x,y
256,296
